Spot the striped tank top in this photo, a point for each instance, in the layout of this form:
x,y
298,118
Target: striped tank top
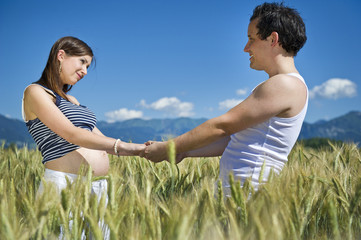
x,y
51,145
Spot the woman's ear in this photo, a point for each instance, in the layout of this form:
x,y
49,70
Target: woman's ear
x,y
61,55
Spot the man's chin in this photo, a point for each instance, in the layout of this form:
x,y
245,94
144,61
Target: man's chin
x,y
255,67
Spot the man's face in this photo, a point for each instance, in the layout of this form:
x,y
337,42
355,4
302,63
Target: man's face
x,y
256,48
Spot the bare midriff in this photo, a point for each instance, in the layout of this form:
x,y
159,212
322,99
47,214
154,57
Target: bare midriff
x,y
73,161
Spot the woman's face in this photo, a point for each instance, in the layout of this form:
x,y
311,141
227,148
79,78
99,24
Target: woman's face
x,y
73,68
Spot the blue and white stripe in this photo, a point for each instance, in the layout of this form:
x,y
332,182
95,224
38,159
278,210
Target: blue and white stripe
x,y
51,145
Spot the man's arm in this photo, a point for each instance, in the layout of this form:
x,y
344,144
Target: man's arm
x,y
212,150
274,97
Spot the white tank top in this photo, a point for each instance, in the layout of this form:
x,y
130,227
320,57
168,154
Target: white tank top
x,y
267,143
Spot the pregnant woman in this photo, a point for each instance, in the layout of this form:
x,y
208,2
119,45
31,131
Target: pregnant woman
x,y
64,130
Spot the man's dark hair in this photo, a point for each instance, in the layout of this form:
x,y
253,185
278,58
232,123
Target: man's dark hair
x,y
287,22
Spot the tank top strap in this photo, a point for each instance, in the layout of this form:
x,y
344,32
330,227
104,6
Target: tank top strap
x,y
51,92
297,75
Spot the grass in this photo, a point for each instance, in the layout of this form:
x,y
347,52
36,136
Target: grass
x,y
316,196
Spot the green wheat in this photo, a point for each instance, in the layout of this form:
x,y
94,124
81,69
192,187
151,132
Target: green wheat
x,y
316,196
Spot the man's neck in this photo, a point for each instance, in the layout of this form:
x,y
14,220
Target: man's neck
x,y
282,65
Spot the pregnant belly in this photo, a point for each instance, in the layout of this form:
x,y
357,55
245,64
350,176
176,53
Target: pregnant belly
x,y
71,162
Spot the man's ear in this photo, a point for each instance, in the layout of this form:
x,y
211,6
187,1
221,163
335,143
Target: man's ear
x,y
61,55
274,38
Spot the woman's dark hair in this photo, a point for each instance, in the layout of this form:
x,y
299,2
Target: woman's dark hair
x,y
51,76
275,17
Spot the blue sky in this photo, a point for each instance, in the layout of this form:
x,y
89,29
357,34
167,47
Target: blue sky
x,y
166,59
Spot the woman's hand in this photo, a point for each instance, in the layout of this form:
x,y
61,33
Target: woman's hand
x,y
130,149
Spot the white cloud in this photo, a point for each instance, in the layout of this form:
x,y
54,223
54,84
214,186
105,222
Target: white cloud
x,y
335,88
210,109
241,92
229,103
171,106
123,114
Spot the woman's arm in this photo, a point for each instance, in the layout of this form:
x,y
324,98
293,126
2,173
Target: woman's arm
x,y
41,104
124,148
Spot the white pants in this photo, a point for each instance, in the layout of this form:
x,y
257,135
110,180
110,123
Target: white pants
x,y
59,180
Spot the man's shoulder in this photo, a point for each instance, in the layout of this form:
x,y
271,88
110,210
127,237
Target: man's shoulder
x,y
286,81
285,76
280,83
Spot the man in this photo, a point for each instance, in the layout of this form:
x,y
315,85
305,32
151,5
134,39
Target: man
x,y
263,128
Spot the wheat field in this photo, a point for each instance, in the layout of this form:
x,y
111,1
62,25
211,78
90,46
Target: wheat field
x,y
316,196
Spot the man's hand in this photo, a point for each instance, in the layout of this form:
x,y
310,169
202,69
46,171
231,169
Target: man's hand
x,y
156,151
179,157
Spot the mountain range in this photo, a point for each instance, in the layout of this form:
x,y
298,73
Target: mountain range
x,y
345,128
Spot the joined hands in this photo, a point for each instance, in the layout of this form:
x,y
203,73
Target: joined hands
x,y
158,152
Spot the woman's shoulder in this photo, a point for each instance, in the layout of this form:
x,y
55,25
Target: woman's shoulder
x,y
72,99
35,96
36,89
35,93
